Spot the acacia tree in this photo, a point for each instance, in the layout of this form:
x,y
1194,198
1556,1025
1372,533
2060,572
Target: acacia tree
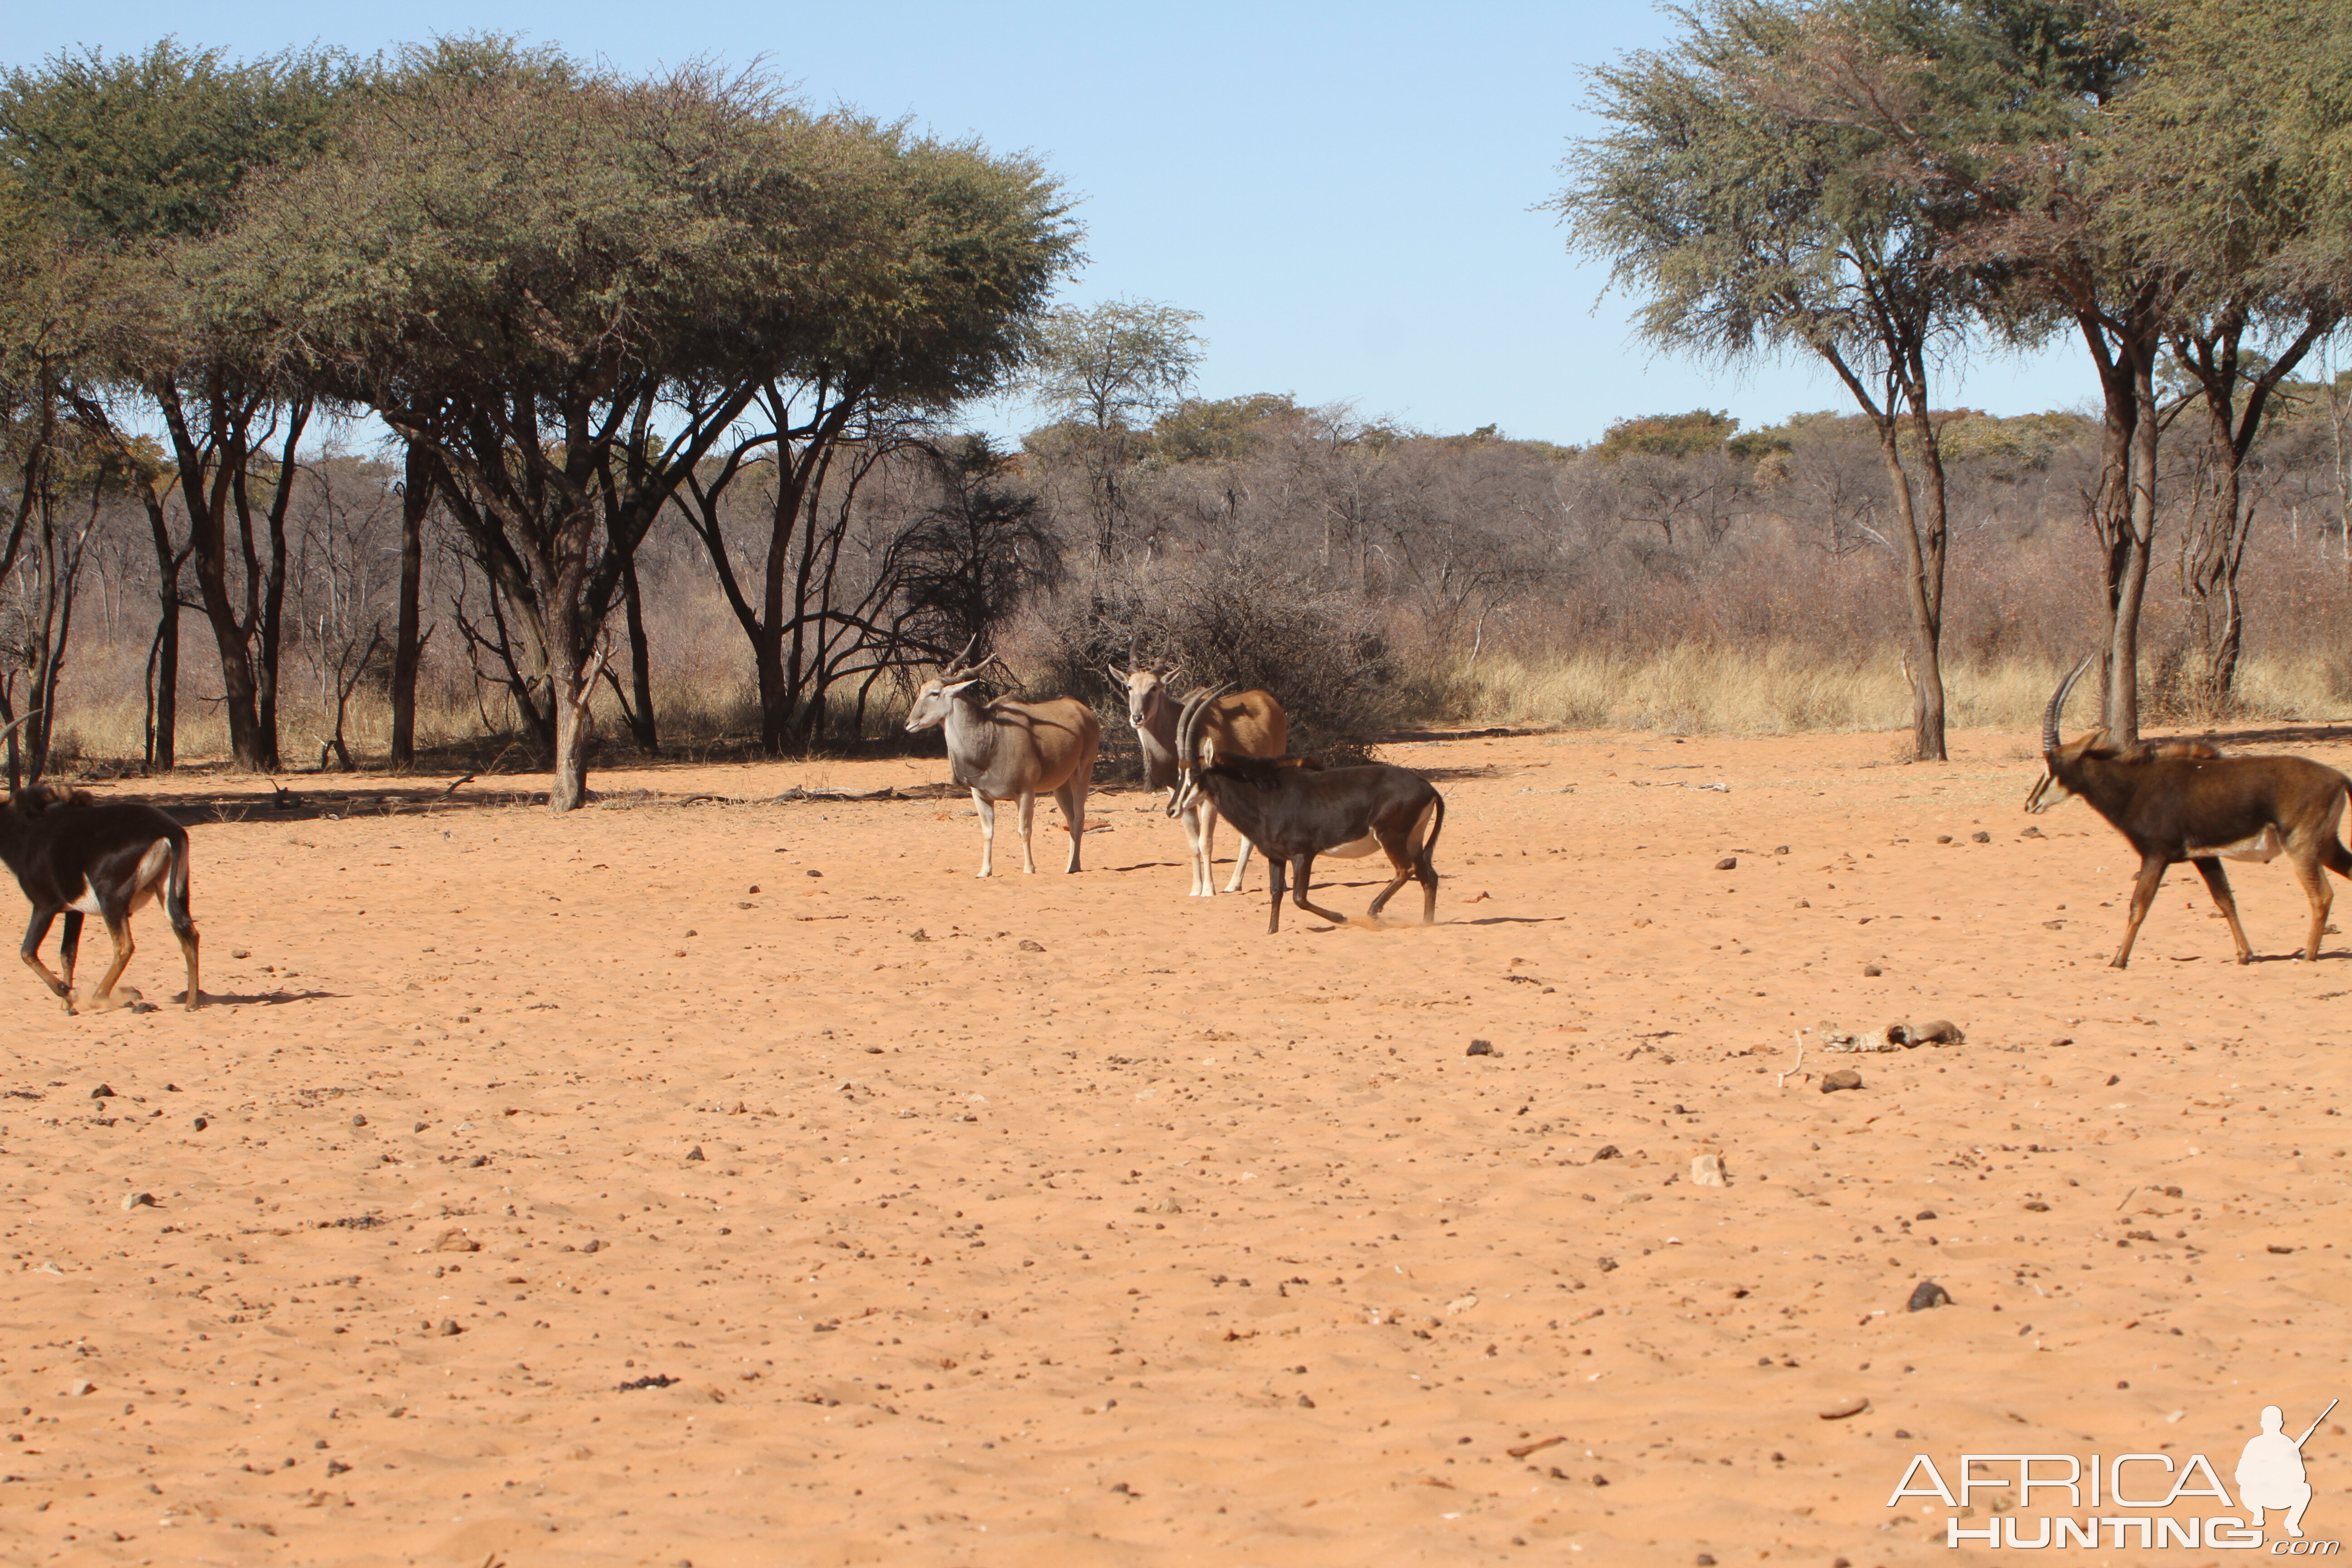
x,y
570,287
1736,193
138,158
1108,373
2230,143
978,241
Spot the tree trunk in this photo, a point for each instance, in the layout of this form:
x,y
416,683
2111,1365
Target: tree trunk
x,y
416,500
2131,590
571,679
1926,552
165,712
647,732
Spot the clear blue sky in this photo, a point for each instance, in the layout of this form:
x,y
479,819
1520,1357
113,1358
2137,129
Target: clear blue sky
x,y
1343,192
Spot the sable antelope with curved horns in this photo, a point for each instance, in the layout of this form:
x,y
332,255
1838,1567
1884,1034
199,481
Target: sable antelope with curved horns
x,y
1293,811
76,856
1005,749
2176,801
1246,723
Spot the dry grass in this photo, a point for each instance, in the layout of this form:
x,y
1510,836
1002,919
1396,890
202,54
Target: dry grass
x,y
1693,689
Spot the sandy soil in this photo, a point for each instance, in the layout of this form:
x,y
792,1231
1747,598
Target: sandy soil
x,y
1063,1219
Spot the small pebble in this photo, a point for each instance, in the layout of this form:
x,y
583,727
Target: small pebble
x,y
358,1121
1872,971
137,1200
101,1092
1480,1048
1606,1151
1927,1294
1706,1171
816,873
1844,1078
448,1328
202,1124
1028,946
238,952
1845,1408
1943,838
1980,836
754,888
1729,863
80,1386
1779,850
694,1153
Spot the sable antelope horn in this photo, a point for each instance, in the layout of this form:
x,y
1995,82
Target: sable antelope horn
x,y
1189,725
2050,742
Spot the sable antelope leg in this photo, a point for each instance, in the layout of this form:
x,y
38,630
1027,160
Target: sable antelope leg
x,y
1071,796
2151,876
1209,851
1400,857
1426,869
1028,812
2217,882
35,933
1304,869
1274,867
2321,897
176,907
987,809
69,946
119,928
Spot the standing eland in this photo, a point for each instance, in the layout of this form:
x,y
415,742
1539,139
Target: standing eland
x,y
1004,749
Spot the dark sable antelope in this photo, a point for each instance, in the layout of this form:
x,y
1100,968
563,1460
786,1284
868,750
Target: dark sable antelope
x,y
1246,724
1293,811
2181,800
75,856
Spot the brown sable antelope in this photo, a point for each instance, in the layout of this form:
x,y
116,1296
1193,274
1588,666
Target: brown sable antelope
x,y
1293,812
2181,800
76,856
1244,724
1004,749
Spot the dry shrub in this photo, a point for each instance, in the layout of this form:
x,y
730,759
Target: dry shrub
x,y
1240,618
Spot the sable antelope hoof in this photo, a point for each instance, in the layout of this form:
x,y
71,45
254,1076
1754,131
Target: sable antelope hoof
x,y
192,1000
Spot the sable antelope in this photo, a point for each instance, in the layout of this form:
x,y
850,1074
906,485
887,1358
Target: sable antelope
x,y
1245,724
76,856
1005,749
2181,800
1293,812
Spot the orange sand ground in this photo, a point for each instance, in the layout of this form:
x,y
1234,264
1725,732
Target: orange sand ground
x,y
1067,1220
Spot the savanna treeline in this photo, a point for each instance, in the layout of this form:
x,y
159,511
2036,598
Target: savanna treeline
x,y
479,398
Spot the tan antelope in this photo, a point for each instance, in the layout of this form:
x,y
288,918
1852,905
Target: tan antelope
x,y
2181,800
1245,724
1004,749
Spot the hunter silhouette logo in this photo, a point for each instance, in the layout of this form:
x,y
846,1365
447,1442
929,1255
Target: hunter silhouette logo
x,y
2128,1497
2269,1472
